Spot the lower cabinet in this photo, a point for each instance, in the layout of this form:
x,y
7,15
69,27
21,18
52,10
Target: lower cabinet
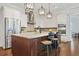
x,y
26,47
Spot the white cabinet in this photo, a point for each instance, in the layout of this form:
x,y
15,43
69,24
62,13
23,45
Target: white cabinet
x,y
61,19
12,26
2,37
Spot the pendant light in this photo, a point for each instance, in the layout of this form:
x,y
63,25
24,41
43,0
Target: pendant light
x,y
49,14
41,10
28,7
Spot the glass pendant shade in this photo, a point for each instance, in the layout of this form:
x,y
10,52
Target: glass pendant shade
x,y
49,15
28,7
41,11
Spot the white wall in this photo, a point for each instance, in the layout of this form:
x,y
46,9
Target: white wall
x,y
74,23
2,29
11,12
16,13
23,20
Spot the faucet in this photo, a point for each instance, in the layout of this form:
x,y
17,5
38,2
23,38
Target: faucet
x,y
39,29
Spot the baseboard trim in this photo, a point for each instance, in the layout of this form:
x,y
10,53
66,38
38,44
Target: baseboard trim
x,y
1,47
7,48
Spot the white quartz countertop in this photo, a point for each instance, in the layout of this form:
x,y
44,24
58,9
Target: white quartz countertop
x,y
31,34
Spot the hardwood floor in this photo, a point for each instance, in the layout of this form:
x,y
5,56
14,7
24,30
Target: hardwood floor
x,y
70,48
6,52
66,49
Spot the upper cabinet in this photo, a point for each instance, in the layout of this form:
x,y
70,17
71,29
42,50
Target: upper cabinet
x,y
61,18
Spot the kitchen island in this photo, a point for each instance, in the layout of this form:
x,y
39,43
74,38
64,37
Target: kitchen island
x,y
27,44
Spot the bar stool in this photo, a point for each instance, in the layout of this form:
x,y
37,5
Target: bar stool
x,y
56,42
47,44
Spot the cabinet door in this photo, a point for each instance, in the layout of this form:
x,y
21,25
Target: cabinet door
x,y
9,29
17,25
20,46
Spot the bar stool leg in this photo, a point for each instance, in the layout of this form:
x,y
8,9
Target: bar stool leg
x,y
47,50
50,49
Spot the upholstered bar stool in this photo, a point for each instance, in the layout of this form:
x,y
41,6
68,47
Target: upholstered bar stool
x,y
47,44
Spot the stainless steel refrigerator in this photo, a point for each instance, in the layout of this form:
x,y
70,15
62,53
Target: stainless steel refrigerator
x,y
12,26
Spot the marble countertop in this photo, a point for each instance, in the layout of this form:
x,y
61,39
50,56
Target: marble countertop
x,y
32,34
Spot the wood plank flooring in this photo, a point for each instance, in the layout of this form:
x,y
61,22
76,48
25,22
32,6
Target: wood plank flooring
x,y
66,49
6,52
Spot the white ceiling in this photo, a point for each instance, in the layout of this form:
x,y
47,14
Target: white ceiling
x,y
52,5
56,7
